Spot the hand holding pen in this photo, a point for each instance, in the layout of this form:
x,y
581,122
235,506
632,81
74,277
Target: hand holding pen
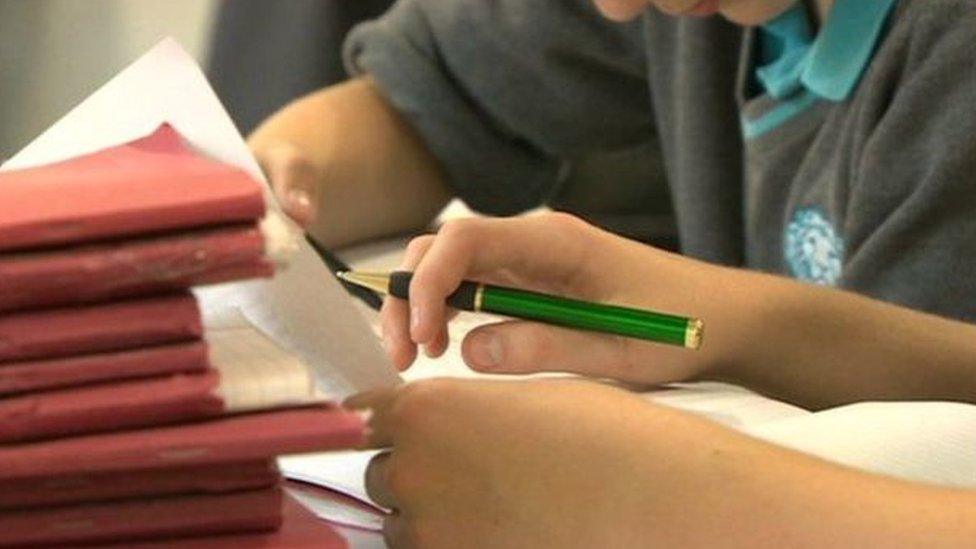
x,y
558,255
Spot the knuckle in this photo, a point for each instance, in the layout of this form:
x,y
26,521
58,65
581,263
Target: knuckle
x,y
428,282
293,163
460,229
564,221
419,245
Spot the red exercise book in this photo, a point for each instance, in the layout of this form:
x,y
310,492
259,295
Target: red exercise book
x,y
142,519
248,372
98,328
300,530
85,274
226,439
154,184
111,406
58,373
94,487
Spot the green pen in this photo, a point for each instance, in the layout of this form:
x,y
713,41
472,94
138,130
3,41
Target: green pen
x,y
560,311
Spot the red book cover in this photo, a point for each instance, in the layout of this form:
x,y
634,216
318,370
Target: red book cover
x,y
249,372
154,184
300,530
141,519
94,487
127,268
98,328
58,373
111,406
228,438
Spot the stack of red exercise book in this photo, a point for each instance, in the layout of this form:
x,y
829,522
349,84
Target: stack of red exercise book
x,y
121,420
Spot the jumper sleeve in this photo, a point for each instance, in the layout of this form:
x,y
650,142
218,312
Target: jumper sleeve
x,y
504,91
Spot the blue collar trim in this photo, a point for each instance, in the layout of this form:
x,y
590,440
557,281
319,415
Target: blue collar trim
x,y
830,65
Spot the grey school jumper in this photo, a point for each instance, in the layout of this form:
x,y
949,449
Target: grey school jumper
x,y
872,191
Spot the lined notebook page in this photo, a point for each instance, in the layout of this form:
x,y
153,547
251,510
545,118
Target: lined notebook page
x,y
256,373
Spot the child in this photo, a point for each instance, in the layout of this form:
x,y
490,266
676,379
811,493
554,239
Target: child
x,y
842,156
574,464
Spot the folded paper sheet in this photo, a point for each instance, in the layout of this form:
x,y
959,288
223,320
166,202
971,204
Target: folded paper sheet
x,y
302,308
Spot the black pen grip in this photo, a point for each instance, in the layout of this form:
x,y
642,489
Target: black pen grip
x,y
462,299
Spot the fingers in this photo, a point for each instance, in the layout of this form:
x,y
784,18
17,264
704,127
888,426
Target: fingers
x,y
395,314
293,178
438,346
554,248
379,433
377,484
395,319
518,347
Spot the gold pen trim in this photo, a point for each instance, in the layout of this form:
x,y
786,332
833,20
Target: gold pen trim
x,y
694,333
479,298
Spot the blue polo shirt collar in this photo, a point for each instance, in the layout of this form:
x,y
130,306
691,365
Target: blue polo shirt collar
x,y
830,64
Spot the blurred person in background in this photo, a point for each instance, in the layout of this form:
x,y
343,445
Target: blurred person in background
x,y
266,55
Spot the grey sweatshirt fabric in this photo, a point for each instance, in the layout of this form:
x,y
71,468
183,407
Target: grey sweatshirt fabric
x,y
505,91
265,54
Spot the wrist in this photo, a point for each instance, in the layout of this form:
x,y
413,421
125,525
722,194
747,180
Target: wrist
x,y
756,321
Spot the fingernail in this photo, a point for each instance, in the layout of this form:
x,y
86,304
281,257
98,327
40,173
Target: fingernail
x,y
486,350
364,415
300,204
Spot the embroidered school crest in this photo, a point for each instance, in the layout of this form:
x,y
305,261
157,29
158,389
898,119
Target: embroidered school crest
x,y
814,251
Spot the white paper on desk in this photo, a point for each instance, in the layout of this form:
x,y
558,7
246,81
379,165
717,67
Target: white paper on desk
x,y
302,308
343,472
729,405
921,441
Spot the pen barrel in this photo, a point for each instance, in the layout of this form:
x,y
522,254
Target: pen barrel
x,y
612,319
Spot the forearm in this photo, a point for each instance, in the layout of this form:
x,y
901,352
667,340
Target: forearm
x,y
822,347
726,489
374,176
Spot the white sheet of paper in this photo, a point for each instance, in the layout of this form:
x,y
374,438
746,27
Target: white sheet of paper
x,y
339,512
921,441
343,472
302,308
729,405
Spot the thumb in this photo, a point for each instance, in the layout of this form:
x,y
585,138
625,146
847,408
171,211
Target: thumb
x,y
293,178
519,347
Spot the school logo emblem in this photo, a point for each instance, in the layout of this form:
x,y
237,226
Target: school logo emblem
x,y
813,251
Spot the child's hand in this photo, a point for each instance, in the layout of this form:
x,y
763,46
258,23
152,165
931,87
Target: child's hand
x,y
508,464
559,254
348,167
576,464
